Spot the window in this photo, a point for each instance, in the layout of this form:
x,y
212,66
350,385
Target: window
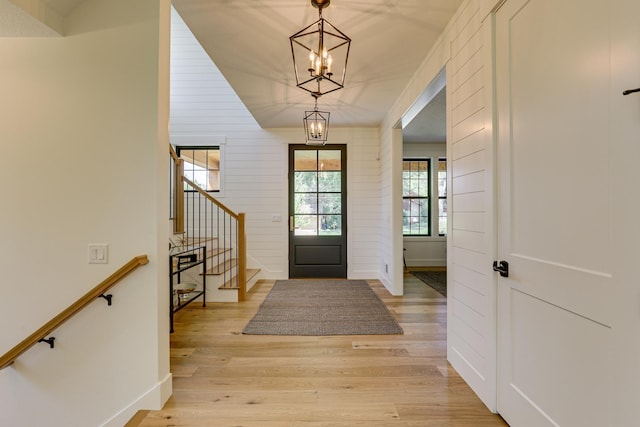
x,y
442,196
201,165
416,190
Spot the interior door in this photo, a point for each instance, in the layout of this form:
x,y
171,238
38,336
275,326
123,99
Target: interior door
x,y
317,211
554,211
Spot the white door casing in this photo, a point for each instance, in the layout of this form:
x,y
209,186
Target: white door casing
x,y
554,211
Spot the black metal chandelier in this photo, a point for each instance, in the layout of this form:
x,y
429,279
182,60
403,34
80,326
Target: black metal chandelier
x,y
320,53
316,126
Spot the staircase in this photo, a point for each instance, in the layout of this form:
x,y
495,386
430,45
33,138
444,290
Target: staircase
x,y
201,220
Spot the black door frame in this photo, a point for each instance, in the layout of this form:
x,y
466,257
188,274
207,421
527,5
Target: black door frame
x,y
328,254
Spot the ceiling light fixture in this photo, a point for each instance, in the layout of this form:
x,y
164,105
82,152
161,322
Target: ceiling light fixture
x,y
316,126
320,53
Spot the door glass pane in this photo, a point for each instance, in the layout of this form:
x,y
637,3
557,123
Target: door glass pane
x,y
306,225
318,190
305,160
330,181
329,203
330,225
329,160
306,203
306,182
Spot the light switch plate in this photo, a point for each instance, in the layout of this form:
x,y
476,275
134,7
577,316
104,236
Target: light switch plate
x,y
98,253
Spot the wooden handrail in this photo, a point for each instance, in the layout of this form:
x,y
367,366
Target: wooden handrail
x,y
9,357
208,196
173,154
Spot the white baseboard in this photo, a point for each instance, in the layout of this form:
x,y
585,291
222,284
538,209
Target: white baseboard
x,y
362,275
385,281
426,262
153,399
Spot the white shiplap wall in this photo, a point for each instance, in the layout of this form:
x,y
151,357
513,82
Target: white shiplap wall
x,y
472,303
464,50
204,106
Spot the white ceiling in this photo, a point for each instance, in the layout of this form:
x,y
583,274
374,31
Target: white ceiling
x,y
249,42
62,7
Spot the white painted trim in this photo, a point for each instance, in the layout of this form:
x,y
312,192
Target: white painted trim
x,y
362,275
490,134
266,273
198,140
153,399
437,84
397,266
489,7
387,284
430,239
424,262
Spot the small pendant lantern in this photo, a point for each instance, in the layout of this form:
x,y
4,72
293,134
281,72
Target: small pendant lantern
x,y
316,126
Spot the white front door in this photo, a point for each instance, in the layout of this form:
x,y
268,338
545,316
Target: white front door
x,y
554,162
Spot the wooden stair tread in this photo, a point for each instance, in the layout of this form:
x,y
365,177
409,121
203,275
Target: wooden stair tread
x,y
222,267
212,253
195,240
230,284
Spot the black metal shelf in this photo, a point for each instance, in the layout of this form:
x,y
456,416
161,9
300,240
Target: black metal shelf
x,y
183,258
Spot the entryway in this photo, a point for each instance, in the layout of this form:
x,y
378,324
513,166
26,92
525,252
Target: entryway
x,y
317,211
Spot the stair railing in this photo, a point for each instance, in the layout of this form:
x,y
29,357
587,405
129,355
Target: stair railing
x,y
202,220
99,291
209,222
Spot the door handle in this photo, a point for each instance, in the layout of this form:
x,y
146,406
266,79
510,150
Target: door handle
x,y
292,225
502,268
630,91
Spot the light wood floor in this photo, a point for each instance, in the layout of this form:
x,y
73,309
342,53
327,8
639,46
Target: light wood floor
x,y
224,378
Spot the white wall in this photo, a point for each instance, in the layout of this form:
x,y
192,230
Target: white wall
x,y
427,251
625,147
84,125
204,107
463,50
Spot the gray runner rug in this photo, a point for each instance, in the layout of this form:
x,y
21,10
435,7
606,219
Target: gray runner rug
x,y
435,279
322,307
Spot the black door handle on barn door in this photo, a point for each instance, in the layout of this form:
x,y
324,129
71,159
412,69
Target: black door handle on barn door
x,y
630,91
502,268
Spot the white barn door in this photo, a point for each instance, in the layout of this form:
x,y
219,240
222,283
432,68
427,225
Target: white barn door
x,y
554,211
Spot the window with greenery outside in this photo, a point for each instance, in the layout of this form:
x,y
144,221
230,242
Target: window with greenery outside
x,y
416,189
442,197
202,166
317,193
